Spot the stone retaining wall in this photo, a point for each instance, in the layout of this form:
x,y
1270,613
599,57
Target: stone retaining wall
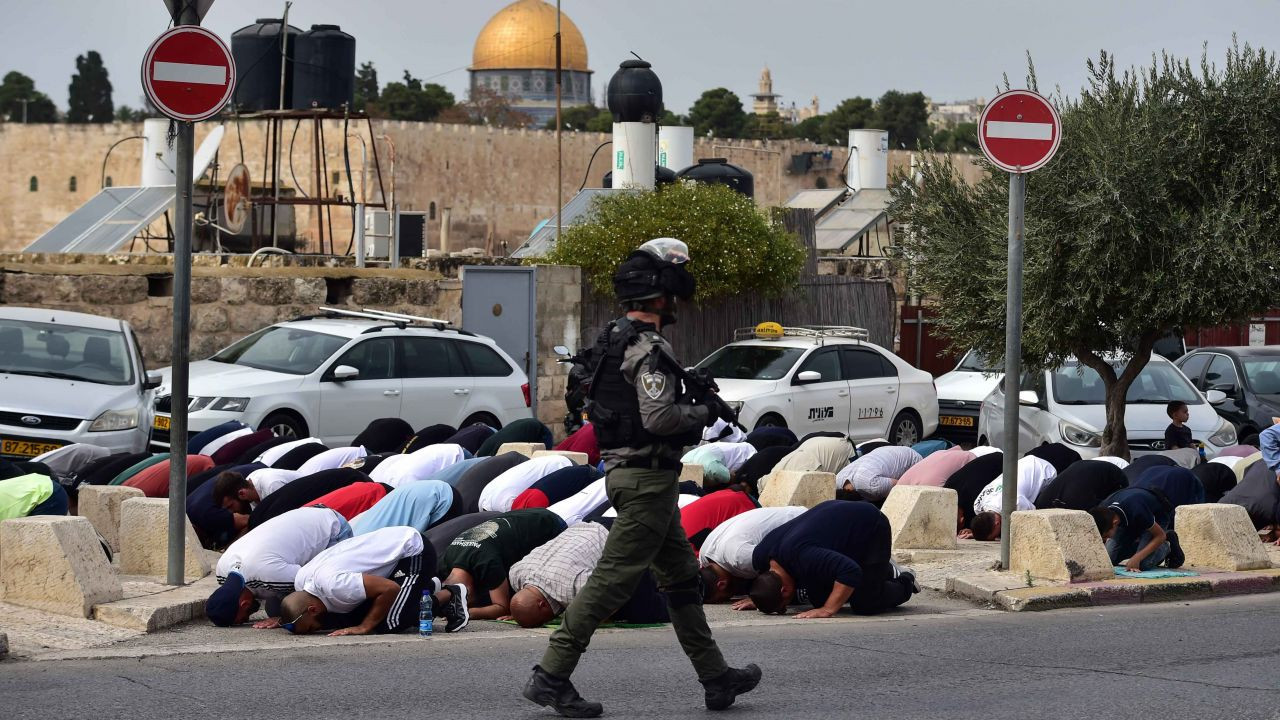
x,y
226,302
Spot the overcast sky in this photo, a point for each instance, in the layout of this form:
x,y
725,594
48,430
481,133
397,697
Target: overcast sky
x,y
949,49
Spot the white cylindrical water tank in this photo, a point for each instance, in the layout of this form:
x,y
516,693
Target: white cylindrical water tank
x,y
675,147
869,167
634,150
157,154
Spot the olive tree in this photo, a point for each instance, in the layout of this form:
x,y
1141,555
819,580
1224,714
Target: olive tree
x,y
1159,212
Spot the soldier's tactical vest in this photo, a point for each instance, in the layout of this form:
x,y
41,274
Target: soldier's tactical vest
x,y
613,406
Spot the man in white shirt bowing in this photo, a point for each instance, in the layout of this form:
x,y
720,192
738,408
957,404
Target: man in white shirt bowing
x,y
725,555
351,582
262,565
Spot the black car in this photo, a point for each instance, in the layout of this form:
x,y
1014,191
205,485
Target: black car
x,y
1250,377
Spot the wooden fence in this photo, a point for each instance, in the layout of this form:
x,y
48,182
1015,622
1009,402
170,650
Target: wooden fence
x,y
819,300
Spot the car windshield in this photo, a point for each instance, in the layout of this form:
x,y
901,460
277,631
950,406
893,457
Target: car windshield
x,y
751,362
974,361
66,352
1157,384
1263,374
282,349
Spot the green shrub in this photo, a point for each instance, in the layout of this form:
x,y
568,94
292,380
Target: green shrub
x,y
734,248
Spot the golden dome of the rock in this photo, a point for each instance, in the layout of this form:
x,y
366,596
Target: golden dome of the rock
x,y
523,36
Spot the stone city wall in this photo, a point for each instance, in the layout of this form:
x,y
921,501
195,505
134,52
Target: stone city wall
x,y
498,183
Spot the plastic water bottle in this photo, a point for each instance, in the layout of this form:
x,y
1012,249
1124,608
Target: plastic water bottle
x,y
425,618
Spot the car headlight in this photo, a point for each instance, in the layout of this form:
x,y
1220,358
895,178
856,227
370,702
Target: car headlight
x,y
231,404
735,405
199,403
1225,435
1077,435
115,420
221,404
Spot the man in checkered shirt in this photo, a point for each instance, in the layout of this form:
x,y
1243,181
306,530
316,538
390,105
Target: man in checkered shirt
x,y
548,579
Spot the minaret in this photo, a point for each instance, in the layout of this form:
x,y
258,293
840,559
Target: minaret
x,y
765,101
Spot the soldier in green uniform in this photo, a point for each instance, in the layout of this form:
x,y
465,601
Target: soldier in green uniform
x,y
645,409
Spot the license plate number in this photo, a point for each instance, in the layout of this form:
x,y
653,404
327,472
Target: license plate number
x,y
955,421
26,448
161,423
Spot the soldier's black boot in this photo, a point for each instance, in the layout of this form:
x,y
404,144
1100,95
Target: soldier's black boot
x,y
559,694
724,689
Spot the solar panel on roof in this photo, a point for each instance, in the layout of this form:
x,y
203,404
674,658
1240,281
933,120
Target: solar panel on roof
x,y
575,211
110,218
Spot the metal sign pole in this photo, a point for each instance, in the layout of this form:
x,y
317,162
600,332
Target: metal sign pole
x,y
185,151
1012,360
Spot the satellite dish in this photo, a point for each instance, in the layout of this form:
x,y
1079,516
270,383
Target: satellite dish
x,y
204,155
235,199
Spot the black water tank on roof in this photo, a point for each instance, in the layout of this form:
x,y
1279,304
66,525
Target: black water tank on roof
x,y
719,170
661,176
635,93
324,68
256,49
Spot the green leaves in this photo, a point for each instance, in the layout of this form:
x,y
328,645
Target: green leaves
x,y
735,249
1157,212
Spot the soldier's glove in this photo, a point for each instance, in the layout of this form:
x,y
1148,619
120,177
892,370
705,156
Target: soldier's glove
x,y
720,409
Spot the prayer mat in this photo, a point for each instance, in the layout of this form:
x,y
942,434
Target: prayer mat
x,y
1154,574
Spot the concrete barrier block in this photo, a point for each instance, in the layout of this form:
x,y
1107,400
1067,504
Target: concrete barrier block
x,y
806,489
922,517
100,505
1058,545
144,540
56,564
578,458
691,473
1219,536
526,449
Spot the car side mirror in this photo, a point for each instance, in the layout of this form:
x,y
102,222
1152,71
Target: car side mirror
x,y
807,377
1029,397
1215,397
561,350
1225,388
345,372
152,381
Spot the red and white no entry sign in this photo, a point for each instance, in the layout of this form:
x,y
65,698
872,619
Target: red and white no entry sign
x,y
188,73
1019,131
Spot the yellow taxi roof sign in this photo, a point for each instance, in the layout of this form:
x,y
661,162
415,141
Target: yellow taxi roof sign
x,y
769,331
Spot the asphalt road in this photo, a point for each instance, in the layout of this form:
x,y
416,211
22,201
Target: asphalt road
x,y
1209,659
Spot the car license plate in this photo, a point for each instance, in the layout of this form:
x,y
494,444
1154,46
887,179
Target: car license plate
x,y
26,448
955,420
161,423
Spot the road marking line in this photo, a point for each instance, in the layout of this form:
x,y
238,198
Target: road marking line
x,y
184,72
1019,130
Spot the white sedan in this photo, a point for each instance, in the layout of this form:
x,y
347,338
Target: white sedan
x,y
1067,405
824,379
328,376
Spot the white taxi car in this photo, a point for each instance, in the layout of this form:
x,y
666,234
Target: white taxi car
x,y
329,375
813,379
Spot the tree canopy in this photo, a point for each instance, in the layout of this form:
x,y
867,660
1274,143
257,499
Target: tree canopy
x,y
584,117
717,113
1157,213
734,247
406,100
366,87
17,87
89,95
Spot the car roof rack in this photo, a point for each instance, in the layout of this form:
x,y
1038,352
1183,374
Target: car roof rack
x,y
818,332
394,319
387,314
